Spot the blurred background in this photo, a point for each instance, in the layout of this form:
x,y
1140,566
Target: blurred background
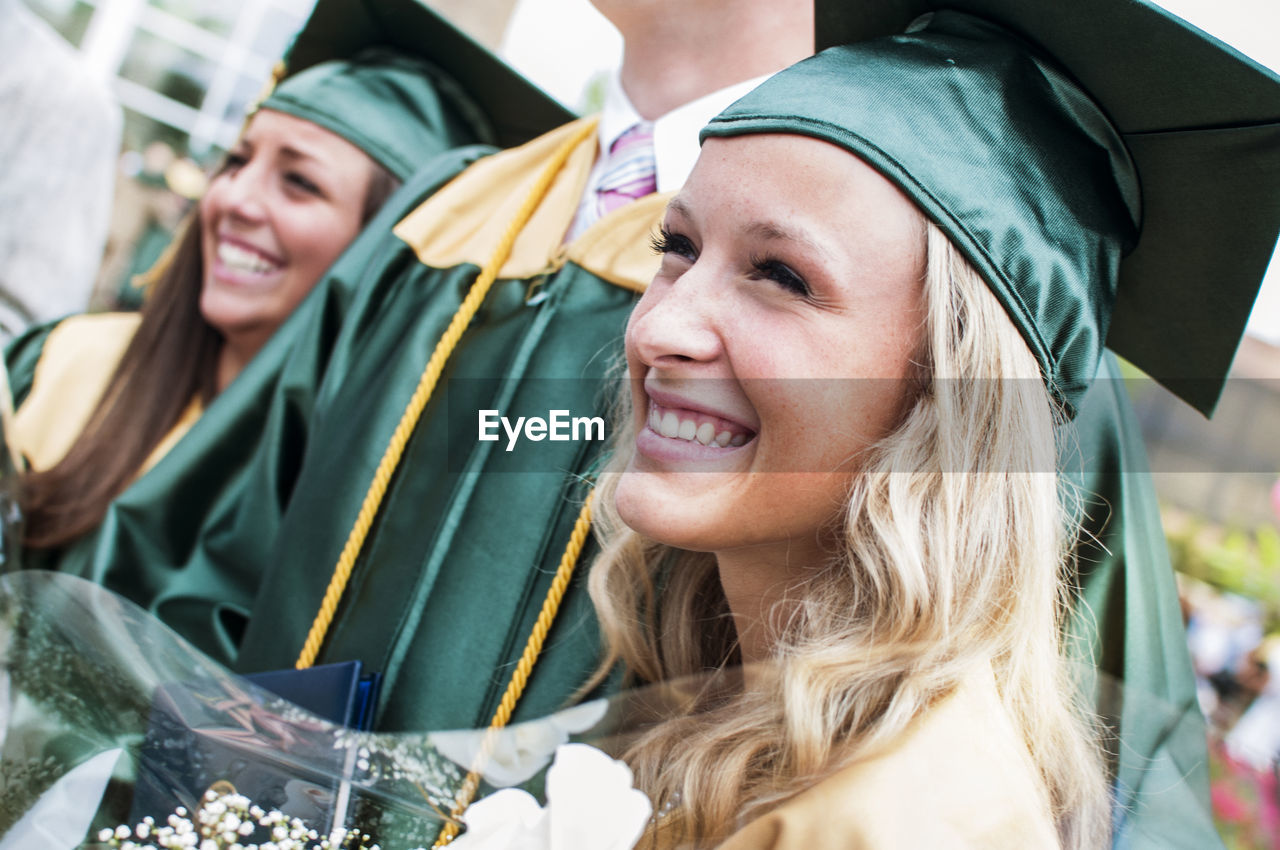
x,y
185,70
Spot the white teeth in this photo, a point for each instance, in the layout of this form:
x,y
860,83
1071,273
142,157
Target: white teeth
x,y
670,425
238,259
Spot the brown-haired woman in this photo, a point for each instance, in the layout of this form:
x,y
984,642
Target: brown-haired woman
x,y
111,394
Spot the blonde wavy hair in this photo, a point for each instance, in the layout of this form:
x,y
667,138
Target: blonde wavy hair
x,y
972,466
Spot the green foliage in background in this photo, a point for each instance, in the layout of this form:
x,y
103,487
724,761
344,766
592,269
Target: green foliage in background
x,y
1240,561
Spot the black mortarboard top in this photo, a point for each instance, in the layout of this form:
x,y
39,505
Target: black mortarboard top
x,y
1072,149
516,109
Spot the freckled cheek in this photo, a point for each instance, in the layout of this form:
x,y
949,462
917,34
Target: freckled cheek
x,y
635,367
761,356
815,425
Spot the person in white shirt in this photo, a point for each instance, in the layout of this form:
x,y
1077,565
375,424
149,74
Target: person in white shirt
x,y
59,141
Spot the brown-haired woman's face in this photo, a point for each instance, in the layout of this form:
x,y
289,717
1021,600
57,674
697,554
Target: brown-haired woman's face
x,y
288,202
773,345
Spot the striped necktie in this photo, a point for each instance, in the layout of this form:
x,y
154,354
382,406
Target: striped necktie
x,y
629,174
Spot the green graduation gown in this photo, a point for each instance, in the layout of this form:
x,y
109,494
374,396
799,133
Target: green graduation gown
x,y
469,535
173,540
247,516
1130,622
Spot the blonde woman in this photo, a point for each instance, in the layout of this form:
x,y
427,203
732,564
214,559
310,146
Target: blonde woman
x,y
886,282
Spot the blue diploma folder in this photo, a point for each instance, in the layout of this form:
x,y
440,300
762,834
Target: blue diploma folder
x,y
341,693
178,763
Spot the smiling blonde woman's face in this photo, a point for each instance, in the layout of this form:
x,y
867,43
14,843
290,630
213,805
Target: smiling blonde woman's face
x,y
773,346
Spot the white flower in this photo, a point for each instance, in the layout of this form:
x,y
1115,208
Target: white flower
x,y
590,804
515,753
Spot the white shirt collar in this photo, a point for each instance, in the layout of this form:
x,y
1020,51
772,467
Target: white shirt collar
x,y
675,135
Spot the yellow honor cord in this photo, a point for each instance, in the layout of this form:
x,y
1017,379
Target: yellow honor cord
x,y
421,395
391,459
532,649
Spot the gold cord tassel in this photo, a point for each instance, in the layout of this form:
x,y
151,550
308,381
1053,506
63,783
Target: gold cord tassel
x,y
532,649
421,395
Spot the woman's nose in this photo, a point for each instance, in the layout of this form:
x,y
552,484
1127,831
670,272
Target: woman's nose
x,y
676,321
242,193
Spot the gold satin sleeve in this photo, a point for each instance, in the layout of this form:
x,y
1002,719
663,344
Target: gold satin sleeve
x,y
467,218
78,359
958,779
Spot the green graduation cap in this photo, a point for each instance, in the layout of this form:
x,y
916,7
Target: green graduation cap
x,y
488,94
1111,171
398,109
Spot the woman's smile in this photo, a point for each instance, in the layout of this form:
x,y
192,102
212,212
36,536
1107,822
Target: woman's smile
x,y
238,262
772,348
287,203
683,428
691,426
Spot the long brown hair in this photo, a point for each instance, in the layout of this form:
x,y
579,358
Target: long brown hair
x,y
171,360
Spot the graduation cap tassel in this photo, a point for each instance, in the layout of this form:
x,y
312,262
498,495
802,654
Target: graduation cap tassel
x,y
418,402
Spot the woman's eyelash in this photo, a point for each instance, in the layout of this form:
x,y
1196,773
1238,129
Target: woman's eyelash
x,y
235,161
667,242
780,273
764,268
232,160
303,183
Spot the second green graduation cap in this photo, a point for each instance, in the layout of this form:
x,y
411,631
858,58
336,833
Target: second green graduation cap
x,y
514,109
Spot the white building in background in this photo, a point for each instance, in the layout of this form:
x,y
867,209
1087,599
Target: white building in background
x,y
194,65
189,65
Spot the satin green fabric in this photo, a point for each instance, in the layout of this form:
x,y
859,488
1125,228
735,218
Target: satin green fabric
x,y
399,110
1129,622
176,541
1202,124
515,108
997,147
241,523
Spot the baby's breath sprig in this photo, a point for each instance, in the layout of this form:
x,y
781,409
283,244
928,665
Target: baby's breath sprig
x,y
227,820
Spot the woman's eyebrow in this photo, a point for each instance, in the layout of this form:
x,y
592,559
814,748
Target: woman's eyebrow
x,y
292,152
679,207
773,231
